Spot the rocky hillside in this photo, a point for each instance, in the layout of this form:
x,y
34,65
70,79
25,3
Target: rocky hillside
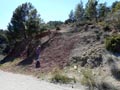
x,y
82,47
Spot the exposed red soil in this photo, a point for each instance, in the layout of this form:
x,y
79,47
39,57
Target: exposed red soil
x,y
58,51
55,54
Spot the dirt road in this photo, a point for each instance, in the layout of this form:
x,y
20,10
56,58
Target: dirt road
x,y
9,81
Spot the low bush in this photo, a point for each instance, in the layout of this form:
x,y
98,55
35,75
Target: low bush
x,y
58,28
112,43
69,21
105,86
93,83
58,77
105,26
88,78
113,20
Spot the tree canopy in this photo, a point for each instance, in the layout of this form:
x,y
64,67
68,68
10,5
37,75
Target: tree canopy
x,y
79,12
24,23
91,9
71,15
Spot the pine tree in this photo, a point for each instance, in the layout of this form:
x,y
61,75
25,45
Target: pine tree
x,y
79,12
116,7
71,15
24,22
91,9
102,10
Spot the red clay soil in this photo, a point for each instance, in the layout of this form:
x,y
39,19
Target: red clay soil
x,y
58,51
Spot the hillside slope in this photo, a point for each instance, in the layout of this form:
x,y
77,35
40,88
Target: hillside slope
x,y
82,48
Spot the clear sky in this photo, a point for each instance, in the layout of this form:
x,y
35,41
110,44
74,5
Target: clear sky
x,y
48,9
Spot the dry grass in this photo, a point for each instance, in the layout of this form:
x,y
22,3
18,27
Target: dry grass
x,y
13,67
88,78
59,76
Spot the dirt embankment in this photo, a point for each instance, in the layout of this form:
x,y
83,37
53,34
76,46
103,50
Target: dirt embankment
x,y
57,51
65,45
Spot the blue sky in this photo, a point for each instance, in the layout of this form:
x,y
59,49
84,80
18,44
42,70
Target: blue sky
x,y
48,9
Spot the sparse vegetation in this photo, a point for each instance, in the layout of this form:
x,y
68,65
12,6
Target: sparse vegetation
x,y
54,24
112,43
88,78
105,26
60,78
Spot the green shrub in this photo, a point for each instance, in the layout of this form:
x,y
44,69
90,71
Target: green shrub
x,y
59,78
113,20
112,43
88,79
105,26
58,28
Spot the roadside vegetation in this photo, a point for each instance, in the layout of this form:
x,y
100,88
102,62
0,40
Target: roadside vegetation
x,y
113,43
63,79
